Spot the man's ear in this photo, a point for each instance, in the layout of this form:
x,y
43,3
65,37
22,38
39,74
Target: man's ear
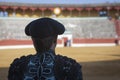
x,y
53,45
55,41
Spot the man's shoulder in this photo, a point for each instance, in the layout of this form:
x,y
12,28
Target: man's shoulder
x,y
67,67
17,68
67,62
20,61
66,59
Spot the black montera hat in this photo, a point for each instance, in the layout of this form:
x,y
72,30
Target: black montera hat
x,y
44,27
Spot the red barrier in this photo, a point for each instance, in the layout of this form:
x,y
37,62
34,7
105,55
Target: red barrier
x,y
59,41
78,40
15,42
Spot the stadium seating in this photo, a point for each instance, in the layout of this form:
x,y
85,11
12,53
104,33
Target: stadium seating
x,y
90,27
13,28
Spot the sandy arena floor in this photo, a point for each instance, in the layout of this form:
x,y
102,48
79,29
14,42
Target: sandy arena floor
x,y
98,63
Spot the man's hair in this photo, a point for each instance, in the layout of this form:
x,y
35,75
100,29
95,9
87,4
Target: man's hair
x,y
45,44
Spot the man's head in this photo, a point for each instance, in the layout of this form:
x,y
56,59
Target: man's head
x,y
44,32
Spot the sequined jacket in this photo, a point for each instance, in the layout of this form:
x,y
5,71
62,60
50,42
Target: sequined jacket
x,y
45,66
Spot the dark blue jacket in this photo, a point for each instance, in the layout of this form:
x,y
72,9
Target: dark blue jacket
x,y
45,67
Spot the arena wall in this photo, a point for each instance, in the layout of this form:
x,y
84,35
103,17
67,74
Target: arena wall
x,y
85,31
